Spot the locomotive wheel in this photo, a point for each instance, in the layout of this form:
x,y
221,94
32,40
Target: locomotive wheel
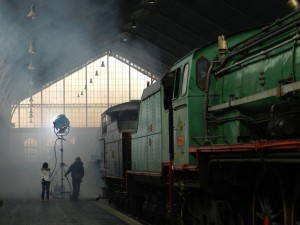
x,y
270,204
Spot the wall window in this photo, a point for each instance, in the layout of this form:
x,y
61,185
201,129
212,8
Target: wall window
x,y
30,149
83,95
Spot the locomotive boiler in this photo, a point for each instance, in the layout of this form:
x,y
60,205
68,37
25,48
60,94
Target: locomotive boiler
x,y
217,138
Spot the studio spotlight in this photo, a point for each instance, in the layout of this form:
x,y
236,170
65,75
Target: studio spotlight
x,y
61,125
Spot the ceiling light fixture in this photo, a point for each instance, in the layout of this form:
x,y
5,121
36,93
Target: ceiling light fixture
x,y
31,48
32,13
96,74
30,65
102,64
133,24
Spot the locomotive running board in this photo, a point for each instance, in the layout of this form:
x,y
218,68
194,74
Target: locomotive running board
x,y
274,92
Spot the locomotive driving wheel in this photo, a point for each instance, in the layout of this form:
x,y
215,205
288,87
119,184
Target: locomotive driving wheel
x,y
270,205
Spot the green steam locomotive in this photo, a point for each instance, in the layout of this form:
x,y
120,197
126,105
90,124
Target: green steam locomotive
x,y
217,139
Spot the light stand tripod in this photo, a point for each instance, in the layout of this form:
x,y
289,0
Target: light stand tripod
x,y
62,164
59,190
61,128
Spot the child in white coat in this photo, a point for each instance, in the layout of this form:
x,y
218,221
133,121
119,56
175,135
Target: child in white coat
x,y
46,176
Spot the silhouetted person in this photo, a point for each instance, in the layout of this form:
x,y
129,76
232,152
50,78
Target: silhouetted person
x,y
77,173
46,175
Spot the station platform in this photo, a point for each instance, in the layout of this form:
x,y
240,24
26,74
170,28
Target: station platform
x,y
29,211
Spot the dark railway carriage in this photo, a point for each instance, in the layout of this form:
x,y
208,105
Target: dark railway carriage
x,y
218,137
117,124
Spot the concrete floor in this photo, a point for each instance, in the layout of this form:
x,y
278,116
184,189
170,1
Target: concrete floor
x,y
60,212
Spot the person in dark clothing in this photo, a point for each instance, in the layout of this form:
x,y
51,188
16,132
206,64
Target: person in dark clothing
x,y
77,173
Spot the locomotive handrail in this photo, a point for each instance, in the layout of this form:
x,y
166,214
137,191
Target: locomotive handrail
x,y
206,99
263,39
274,92
263,30
295,37
266,38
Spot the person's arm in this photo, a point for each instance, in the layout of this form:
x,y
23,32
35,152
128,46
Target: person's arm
x,y
42,174
69,170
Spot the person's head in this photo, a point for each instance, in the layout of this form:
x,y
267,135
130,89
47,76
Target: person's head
x,y
45,165
77,159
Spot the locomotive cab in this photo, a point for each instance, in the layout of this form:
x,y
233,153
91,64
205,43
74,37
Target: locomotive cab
x,y
186,106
